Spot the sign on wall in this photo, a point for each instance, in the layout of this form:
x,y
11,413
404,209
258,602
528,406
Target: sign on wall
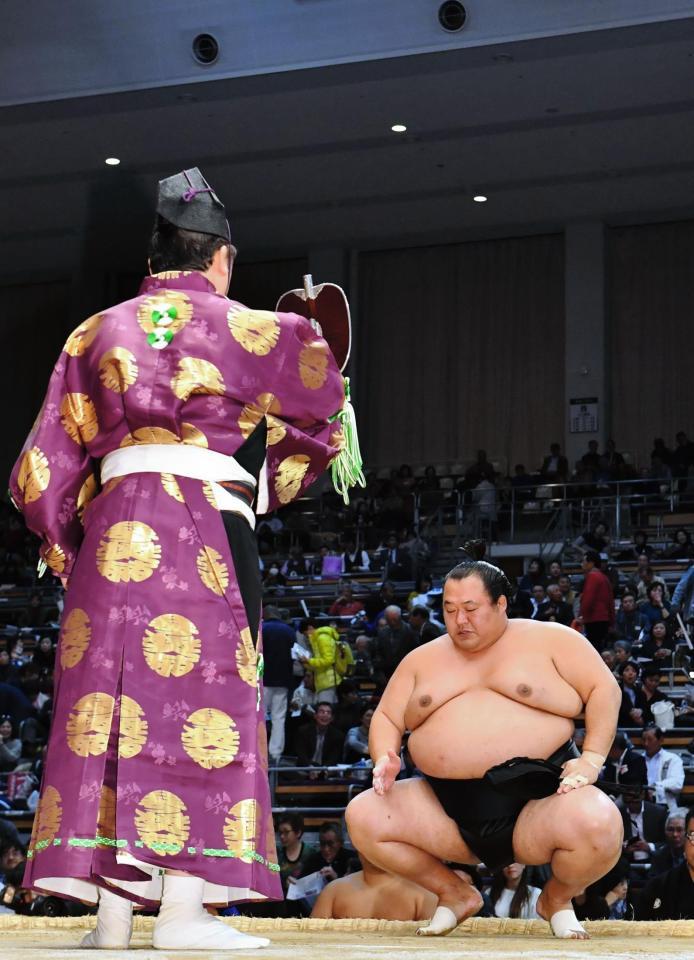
x,y
583,415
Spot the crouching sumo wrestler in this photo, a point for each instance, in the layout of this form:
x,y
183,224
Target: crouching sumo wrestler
x,y
479,702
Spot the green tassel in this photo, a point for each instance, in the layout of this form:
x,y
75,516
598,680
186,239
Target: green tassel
x,y
347,466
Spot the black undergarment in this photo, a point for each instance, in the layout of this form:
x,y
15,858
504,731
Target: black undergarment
x,y
486,816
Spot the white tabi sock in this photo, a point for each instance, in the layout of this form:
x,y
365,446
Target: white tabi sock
x,y
184,924
114,923
443,921
566,926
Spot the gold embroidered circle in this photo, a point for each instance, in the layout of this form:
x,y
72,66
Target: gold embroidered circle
x,y
88,491
290,475
82,336
241,828
247,658
118,369
133,728
89,724
264,406
162,822
129,550
55,558
48,818
78,417
313,364
256,330
196,376
161,303
34,474
210,738
75,634
171,645
213,571
172,486
106,817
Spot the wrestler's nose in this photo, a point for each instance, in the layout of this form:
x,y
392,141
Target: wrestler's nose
x,y
462,619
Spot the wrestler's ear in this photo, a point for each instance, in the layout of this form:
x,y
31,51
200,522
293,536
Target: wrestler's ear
x,y
502,603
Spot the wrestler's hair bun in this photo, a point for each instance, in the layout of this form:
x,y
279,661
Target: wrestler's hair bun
x,y
475,549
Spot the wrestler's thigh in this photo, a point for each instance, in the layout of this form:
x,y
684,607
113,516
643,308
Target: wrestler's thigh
x,y
564,821
410,813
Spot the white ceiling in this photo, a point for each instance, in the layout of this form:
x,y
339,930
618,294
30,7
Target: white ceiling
x,y
598,125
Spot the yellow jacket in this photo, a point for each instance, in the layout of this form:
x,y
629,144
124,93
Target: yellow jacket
x,y
323,642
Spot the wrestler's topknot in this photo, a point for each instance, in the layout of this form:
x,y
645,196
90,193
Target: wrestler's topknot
x,y
494,579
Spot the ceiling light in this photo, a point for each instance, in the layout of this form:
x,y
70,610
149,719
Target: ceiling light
x,y
398,128
112,161
479,198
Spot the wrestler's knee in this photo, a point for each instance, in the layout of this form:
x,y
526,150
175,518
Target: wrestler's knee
x,y
595,820
359,816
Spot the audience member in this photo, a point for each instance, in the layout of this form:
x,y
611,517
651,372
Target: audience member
x,y
323,659
590,461
10,744
363,664
554,571
278,677
373,894
331,859
682,547
9,673
394,640
535,575
597,601
295,565
348,710
345,605
596,539
655,607
357,739
510,894
645,578
665,768
624,765
650,680
480,470
556,609
394,560
520,606
633,707
670,896
644,825
656,646
670,854
423,630
354,559
555,467
318,743
567,591
630,622
293,852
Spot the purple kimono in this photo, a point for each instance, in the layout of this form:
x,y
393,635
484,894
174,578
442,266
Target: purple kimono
x,y
157,756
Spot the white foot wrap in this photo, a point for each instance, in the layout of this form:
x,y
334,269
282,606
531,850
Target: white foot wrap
x,y
184,924
566,926
443,921
114,923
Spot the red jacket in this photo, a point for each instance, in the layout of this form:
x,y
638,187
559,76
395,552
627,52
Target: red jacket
x,y
597,599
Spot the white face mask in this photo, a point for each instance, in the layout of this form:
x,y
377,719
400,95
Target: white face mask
x,y
274,571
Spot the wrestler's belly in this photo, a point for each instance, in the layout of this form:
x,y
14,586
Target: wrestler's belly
x,y
471,733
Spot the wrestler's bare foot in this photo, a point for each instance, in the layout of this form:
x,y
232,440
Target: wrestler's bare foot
x,y
451,912
561,918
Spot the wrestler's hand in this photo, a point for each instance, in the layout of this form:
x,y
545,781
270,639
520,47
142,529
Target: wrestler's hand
x,y
577,773
386,770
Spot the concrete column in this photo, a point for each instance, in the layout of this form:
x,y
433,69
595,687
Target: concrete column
x,y
585,348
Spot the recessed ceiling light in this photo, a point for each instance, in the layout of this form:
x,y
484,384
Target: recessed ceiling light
x,y
112,161
479,198
398,128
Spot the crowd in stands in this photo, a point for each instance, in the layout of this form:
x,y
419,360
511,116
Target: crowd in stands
x,y
324,674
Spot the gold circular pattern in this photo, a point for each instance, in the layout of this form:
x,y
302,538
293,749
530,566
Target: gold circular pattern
x,y
129,550
75,635
162,822
337,439
191,434
55,558
149,435
160,303
210,738
89,724
290,475
111,485
247,658
264,406
256,330
106,817
313,364
133,729
78,417
171,645
208,491
196,376
88,491
118,369
34,474
213,571
82,337
241,828
262,746
48,818
172,486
